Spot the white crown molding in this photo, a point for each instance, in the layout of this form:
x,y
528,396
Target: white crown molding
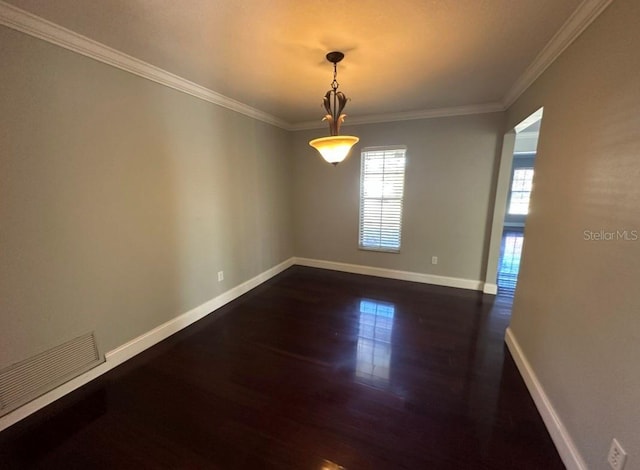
x,y
582,17
40,28
28,23
406,115
33,25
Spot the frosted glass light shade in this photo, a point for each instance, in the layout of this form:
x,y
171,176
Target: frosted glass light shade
x,y
335,148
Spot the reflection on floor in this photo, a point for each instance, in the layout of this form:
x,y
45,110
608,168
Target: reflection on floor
x,y
374,341
314,369
509,264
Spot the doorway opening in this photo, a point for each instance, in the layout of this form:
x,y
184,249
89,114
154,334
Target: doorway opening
x,y
515,182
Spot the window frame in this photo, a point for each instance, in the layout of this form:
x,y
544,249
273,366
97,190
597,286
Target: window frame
x,y
517,200
363,152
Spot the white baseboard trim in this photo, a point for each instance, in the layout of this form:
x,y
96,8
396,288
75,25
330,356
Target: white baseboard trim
x,y
130,349
144,341
559,434
490,288
33,25
392,274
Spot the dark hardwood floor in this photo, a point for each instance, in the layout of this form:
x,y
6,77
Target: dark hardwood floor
x,y
312,366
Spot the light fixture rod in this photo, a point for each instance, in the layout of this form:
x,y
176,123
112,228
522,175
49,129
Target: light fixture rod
x,y
334,100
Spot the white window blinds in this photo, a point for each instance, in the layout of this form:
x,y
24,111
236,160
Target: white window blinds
x,y
381,192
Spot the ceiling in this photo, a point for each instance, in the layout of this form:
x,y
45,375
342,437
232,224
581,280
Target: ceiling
x,y
401,55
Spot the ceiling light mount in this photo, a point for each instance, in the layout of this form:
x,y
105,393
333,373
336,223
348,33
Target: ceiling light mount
x,y
335,148
335,57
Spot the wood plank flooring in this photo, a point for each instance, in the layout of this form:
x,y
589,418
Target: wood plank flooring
x,y
312,367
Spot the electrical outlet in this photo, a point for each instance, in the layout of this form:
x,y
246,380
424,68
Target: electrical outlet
x,y
617,456
434,260
220,276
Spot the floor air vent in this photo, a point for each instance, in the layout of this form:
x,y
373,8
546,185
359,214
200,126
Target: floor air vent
x,y
41,373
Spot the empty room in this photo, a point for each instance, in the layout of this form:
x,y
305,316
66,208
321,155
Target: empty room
x,y
320,235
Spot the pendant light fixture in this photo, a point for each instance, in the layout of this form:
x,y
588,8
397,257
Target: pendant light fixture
x,y
336,147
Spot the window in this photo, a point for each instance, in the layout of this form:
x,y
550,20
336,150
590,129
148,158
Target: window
x,y
521,191
381,191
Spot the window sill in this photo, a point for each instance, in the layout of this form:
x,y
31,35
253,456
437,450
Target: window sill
x,y
379,250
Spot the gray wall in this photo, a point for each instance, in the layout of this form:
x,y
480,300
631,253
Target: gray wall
x,y
451,167
576,313
120,199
